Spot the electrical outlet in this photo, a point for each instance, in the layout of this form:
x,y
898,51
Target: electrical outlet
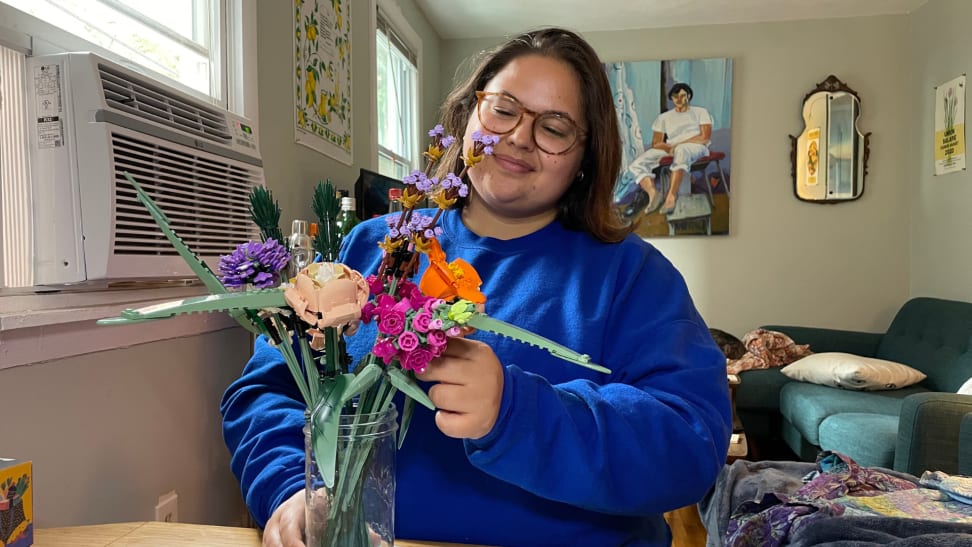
x,y
167,510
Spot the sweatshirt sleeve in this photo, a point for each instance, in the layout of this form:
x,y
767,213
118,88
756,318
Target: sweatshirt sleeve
x,y
650,439
263,419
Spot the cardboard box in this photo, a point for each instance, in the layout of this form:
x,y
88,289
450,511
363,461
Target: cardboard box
x,y
16,503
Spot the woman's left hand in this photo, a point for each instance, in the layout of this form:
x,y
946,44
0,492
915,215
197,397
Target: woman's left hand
x,y
469,388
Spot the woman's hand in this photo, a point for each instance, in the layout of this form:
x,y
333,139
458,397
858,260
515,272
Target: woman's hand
x,y
286,525
469,388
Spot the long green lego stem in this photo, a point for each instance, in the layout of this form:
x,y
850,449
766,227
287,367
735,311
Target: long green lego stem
x,y
247,318
484,322
271,298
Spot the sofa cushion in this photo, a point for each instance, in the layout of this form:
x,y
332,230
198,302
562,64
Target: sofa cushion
x,y
806,405
842,433
932,335
849,371
760,389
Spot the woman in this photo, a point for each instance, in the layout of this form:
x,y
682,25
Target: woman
x,y
524,448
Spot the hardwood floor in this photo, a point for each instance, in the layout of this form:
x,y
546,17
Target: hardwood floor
x,y
687,530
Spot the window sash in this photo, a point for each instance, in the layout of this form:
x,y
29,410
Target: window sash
x,y
194,64
397,102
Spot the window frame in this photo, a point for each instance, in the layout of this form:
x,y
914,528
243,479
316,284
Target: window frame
x,y
39,324
56,40
392,14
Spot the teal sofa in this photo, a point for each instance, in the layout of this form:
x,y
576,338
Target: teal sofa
x,y
910,429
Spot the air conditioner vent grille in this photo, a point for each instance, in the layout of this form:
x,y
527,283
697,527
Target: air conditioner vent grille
x,y
150,101
205,199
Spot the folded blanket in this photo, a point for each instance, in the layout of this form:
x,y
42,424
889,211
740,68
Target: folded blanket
x,y
869,531
745,481
956,487
767,349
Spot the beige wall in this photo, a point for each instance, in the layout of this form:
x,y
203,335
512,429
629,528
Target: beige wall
x,y
941,261
292,170
110,432
787,261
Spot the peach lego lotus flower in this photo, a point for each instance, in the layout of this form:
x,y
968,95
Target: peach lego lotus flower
x,y
327,294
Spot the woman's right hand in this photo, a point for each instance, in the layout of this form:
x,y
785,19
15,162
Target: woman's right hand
x,y
286,525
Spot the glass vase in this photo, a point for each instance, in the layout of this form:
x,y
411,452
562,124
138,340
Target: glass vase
x,y
358,510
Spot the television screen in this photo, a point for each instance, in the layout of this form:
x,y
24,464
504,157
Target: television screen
x,y
371,193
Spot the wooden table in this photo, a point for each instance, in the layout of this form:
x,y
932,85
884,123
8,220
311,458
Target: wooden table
x,y
165,534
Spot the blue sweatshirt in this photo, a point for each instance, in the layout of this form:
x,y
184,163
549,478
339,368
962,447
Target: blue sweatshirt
x,y
576,457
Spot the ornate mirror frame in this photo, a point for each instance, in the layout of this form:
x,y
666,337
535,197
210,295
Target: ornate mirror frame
x,y
829,158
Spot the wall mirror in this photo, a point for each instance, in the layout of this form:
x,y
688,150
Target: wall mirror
x,y
829,159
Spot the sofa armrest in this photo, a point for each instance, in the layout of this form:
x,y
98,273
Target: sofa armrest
x,y
965,446
929,428
823,340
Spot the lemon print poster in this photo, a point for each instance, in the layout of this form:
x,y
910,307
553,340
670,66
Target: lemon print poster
x,y
322,76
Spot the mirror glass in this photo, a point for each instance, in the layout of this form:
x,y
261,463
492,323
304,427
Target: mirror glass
x,y
830,156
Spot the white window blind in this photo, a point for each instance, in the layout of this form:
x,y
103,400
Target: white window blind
x,y
14,172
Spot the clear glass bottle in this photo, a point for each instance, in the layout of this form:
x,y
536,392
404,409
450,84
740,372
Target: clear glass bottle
x,y
301,249
394,203
347,218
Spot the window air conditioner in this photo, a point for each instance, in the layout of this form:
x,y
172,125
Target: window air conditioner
x,y
90,121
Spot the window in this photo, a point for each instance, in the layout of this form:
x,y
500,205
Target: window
x,y
397,90
194,45
207,48
177,39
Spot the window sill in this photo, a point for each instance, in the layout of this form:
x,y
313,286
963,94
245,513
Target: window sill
x,y
37,327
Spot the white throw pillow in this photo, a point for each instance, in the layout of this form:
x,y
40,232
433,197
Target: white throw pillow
x,y
966,388
848,371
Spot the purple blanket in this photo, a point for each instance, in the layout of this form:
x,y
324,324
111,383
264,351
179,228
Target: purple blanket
x,y
795,503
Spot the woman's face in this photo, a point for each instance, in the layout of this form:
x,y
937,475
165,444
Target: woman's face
x,y
519,180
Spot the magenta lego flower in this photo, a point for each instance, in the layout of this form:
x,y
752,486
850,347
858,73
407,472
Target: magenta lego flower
x,y
385,350
436,337
408,341
418,360
374,284
421,320
392,322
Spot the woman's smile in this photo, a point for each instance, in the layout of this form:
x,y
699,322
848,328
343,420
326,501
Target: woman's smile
x,y
512,164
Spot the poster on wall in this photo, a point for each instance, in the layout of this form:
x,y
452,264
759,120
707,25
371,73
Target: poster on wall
x,y
322,76
813,155
950,126
675,119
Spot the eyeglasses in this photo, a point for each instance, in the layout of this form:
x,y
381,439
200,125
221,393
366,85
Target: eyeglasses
x,y
554,133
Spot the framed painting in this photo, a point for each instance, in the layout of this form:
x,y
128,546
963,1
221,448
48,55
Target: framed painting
x,y
675,118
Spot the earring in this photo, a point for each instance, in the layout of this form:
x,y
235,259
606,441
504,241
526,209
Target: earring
x,y
580,176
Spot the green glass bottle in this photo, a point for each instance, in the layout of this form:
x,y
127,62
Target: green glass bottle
x,y
346,219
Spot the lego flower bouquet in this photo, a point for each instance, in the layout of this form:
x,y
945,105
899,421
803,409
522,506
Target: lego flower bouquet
x,y
352,423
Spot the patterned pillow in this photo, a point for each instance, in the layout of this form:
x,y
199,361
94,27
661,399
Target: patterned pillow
x,y
966,388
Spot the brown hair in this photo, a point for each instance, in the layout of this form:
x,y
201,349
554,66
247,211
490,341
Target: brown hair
x,y
587,204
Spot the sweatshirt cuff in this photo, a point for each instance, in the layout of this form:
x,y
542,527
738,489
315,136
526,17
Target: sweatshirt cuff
x,y
510,374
